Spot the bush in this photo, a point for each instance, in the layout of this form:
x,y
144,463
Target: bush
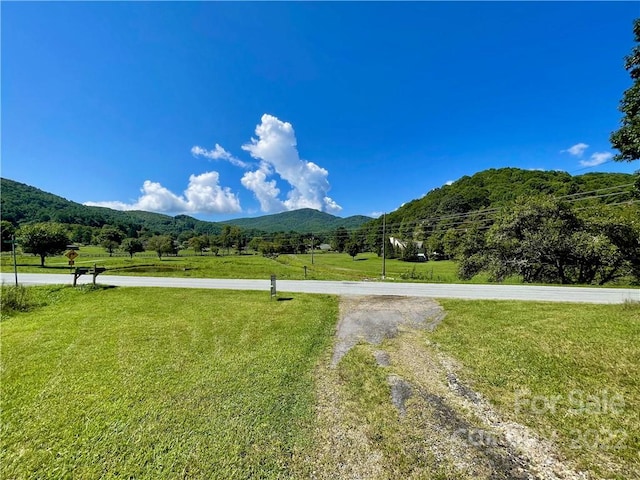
x,y
16,299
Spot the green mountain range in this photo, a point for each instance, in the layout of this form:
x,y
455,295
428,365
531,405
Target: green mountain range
x,y
484,190
22,203
305,220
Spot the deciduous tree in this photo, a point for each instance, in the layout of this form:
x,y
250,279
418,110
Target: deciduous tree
x,y
110,238
199,243
627,138
161,244
43,239
8,230
352,248
340,239
132,246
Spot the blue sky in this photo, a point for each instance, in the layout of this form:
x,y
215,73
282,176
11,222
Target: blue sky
x,y
225,110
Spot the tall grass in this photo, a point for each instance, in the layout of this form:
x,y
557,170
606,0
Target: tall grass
x,y
16,298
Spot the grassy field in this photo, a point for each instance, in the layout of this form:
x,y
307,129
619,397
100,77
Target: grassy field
x,y
152,383
325,266
167,383
568,371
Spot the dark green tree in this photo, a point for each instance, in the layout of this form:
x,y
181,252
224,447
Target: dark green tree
x,y
410,252
472,252
8,230
199,243
533,239
627,138
43,239
451,242
161,244
238,239
110,238
389,249
226,238
352,248
340,239
132,246
254,243
81,234
542,239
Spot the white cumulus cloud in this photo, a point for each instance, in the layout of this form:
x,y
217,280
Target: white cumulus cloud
x,y
218,153
577,150
265,190
276,148
203,195
598,158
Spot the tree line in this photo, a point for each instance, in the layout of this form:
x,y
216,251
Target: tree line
x,y
538,238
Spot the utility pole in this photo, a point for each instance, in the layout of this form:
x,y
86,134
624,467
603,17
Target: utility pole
x,y
312,242
384,243
13,250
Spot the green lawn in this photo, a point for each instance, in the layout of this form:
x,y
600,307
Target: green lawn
x,y
155,383
568,371
323,266
170,383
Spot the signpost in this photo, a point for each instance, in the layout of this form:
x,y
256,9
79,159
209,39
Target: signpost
x,y
71,255
273,286
13,251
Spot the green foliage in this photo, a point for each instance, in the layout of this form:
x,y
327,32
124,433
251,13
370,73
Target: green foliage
x,y
228,236
627,138
199,243
43,239
15,299
25,204
410,252
451,242
132,246
305,220
110,238
352,248
161,244
441,208
543,240
340,239
7,230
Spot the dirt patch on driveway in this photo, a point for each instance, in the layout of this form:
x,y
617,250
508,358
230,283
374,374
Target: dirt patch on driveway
x,y
373,319
443,426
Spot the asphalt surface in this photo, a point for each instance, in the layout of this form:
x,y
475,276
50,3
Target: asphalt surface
x,y
461,291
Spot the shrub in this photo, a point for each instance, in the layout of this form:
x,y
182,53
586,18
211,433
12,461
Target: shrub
x,y
16,299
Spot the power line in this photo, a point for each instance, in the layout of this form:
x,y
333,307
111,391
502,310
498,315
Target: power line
x,y
481,218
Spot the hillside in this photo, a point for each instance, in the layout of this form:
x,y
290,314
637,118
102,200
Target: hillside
x,y
305,220
22,203
488,189
495,188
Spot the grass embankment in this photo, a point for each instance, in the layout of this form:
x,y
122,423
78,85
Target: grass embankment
x,y
325,266
568,371
154,383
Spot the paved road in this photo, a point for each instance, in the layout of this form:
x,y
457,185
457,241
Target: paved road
x,y
463,291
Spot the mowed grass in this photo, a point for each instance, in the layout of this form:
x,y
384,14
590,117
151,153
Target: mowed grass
x,y
160,383
568,371
323,266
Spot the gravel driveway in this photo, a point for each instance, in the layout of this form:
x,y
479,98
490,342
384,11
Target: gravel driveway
x,y
454,424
